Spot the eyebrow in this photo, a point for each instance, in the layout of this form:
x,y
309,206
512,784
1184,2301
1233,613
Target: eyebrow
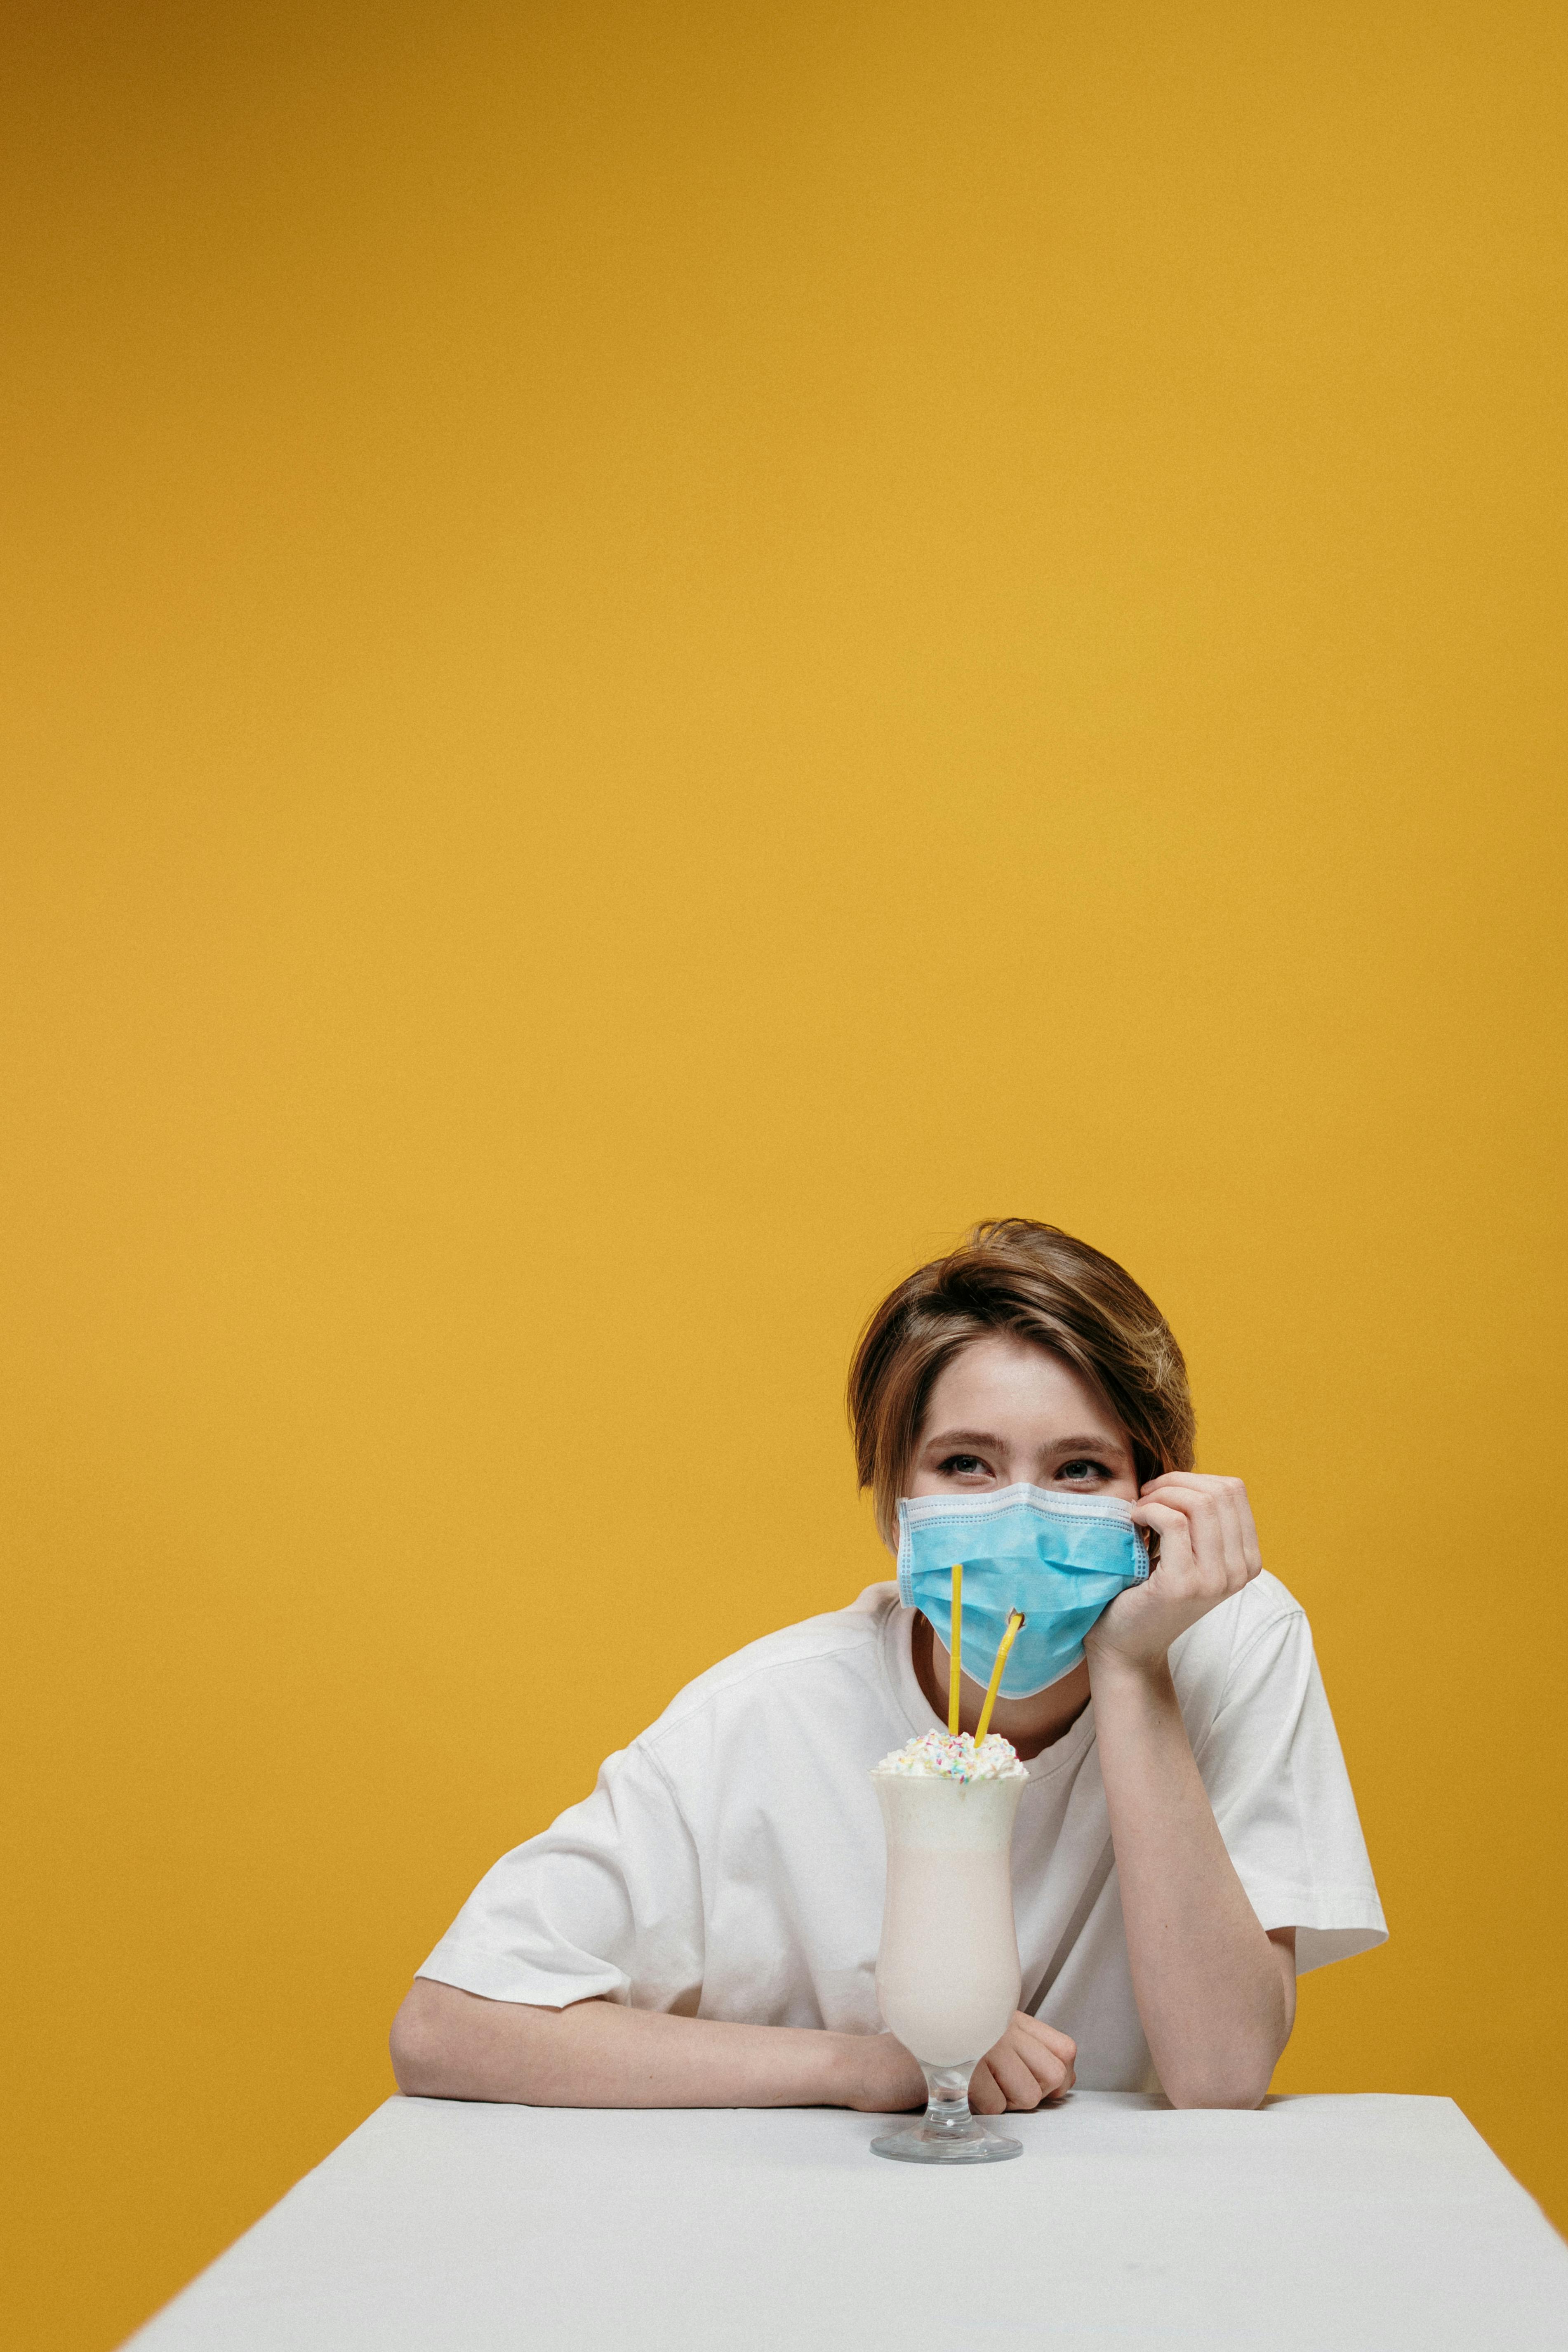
x,y
985,1439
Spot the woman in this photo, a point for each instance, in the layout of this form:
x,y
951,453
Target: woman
x,y
702,1930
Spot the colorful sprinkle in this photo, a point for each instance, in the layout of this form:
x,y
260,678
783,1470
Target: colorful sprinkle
x,y
940,1755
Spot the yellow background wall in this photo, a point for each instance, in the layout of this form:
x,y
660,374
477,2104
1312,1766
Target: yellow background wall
x,y
660,652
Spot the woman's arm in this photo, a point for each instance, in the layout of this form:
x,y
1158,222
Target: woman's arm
x,y
1216,1994
449,2044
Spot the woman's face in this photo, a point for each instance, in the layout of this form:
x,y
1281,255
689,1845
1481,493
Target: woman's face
x,y
1004,1412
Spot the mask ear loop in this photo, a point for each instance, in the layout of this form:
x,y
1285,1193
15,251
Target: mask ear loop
x,y
1151,1536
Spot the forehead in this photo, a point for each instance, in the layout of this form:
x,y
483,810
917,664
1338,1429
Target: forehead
x,y
1002,1383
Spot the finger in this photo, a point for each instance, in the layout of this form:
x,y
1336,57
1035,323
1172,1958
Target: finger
x,y
1212,1535
1252,1550
1191,1478
1216,1542
1061,2045
1051,2074
1236,1534
1175,1568
1050,2054
1244,1553
1243,1556
1217,1537
1014,2077
984,2097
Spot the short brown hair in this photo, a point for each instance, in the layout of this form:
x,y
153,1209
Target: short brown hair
x,y
1038,1285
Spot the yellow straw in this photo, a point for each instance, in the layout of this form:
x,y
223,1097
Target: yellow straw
x,y
993,1685
957,1647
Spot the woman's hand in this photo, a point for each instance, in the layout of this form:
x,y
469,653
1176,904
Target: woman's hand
x,y
882,2078
1032,2061
1208,1549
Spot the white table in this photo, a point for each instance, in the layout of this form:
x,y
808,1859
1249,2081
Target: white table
x,y
1339,2224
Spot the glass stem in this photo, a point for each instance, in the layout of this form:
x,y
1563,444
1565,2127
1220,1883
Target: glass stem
x,y
947,2100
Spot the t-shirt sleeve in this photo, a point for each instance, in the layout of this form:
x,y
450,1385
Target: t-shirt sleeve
x,y
606,1902
1277,1780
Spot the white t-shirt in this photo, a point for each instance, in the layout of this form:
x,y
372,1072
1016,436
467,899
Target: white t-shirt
x,y
729,1863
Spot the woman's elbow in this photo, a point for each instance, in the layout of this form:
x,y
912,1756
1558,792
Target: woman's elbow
x,y
1232,2078
1219,2088
421,2044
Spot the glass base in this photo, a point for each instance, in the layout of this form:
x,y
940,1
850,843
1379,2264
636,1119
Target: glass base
x,y
916,2144
947,2132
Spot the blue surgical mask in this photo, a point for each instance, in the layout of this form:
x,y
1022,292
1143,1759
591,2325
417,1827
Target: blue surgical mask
x,y
1061,1559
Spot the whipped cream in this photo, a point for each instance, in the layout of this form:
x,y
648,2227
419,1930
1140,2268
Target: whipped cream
x,y
939,1754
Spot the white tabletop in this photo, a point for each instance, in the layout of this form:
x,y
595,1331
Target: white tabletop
x,y
1339,2224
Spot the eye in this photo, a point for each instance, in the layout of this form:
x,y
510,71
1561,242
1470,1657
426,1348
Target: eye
x,y
1082,1473
964,1465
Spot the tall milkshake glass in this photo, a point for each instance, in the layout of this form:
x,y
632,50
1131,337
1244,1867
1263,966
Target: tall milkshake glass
x,y
947,1973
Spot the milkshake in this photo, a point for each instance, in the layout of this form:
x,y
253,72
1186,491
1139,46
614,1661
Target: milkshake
x,y
947,1973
